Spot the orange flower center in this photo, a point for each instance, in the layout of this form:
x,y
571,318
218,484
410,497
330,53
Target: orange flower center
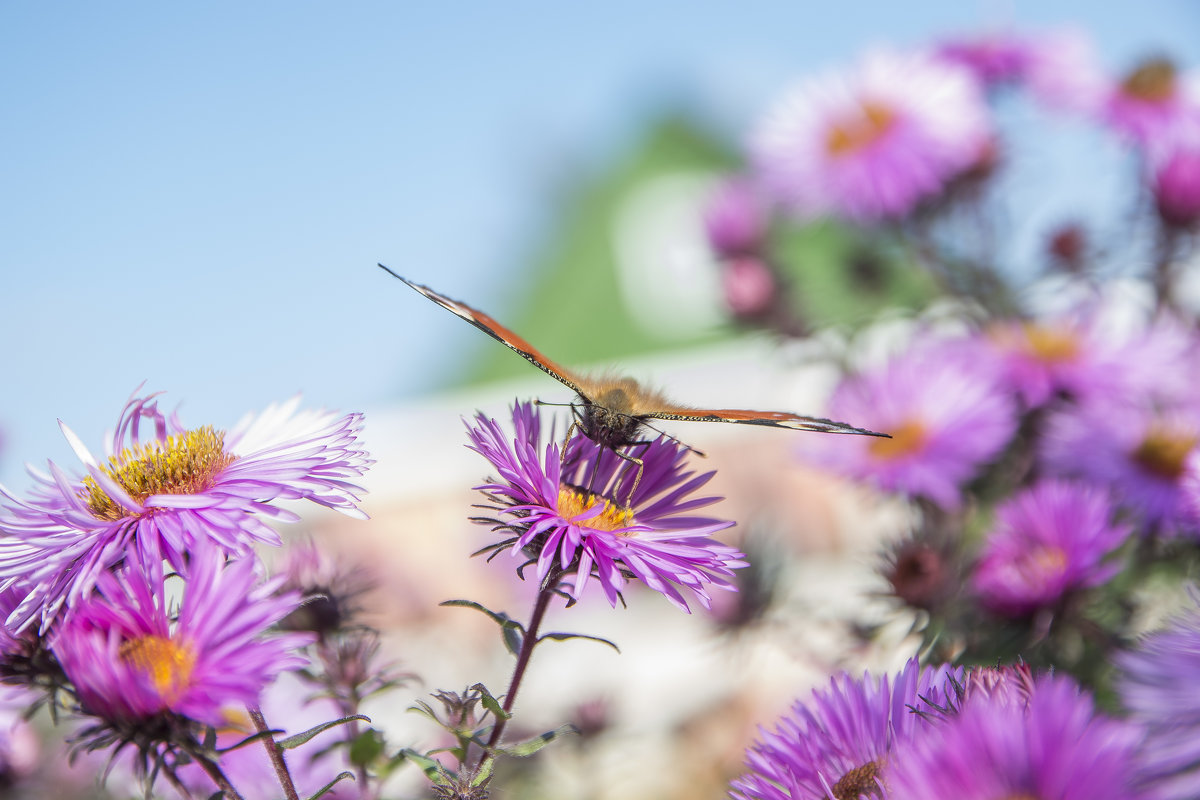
x,y
166,662
907,439
1153,81
1043,560
572,502
1164,451
1051,345
185,463
859,130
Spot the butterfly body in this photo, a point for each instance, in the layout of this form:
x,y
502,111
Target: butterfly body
x,y
613,409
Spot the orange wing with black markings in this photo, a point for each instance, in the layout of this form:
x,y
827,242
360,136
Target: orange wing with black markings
x,y
613,407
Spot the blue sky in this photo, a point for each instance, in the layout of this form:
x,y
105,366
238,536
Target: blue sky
x,y
195,195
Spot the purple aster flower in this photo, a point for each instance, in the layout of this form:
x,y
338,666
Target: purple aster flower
x,y
1047,541
163,494
130,657
1056,748
1176,181
577,517
872,144
1137,450
839,743
1152,103
1160,687
1040,360
945,412
736,218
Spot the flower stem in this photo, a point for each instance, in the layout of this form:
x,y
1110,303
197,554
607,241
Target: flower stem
x,y
213,770
275,753
528,642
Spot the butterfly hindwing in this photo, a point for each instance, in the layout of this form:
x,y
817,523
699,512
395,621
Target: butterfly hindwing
x,y
774,419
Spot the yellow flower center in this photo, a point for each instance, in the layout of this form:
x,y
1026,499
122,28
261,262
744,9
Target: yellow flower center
x,y
907,439
859,130
572,502
1043,561
166,662
1164,451
1153,81
858,782
1049,344
185,463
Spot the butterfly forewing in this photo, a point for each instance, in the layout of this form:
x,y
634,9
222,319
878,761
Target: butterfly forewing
x,y
498,332
774,419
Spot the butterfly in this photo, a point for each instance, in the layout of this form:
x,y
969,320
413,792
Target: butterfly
x,y
612,410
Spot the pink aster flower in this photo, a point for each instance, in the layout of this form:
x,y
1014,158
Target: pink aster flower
x,y
1047,541
1152,104
945,412
1175,181
577,516
1160,687
160,495
130,656
1055,748
736,218
1139,451
1042,359
839,743
872,144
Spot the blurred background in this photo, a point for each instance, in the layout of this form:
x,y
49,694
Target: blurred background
x,y
196,198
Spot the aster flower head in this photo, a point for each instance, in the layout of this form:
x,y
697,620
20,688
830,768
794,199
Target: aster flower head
x,y
945,412
1159,686
736,218
1140,451
1057,747
160,493
1175,179
1152,103
131,657
1042,359
582,519
1049,540
839,743
871,144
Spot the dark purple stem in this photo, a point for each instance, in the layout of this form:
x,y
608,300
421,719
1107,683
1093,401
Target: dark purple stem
x,y
528,642
275,753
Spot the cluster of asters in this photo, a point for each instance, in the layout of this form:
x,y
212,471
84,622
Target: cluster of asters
x,y
982,733
133,599
1048,450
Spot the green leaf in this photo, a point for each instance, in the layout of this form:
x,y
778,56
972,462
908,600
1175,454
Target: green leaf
x,y
300,738
436,773
324,789
502,619
531,746
366,747
513,639
485,772
254,737
560,637
490,702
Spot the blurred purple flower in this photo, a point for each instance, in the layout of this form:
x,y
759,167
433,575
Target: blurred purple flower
x,y
871,144
1159,686
572,516
1176,181
1152,103
130,657
736,218
1137,450
1047,541
1056,748
161,496
945,413
840,742
1041,359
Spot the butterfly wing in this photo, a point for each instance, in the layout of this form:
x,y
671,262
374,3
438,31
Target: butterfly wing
x,y
774,419
498,332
